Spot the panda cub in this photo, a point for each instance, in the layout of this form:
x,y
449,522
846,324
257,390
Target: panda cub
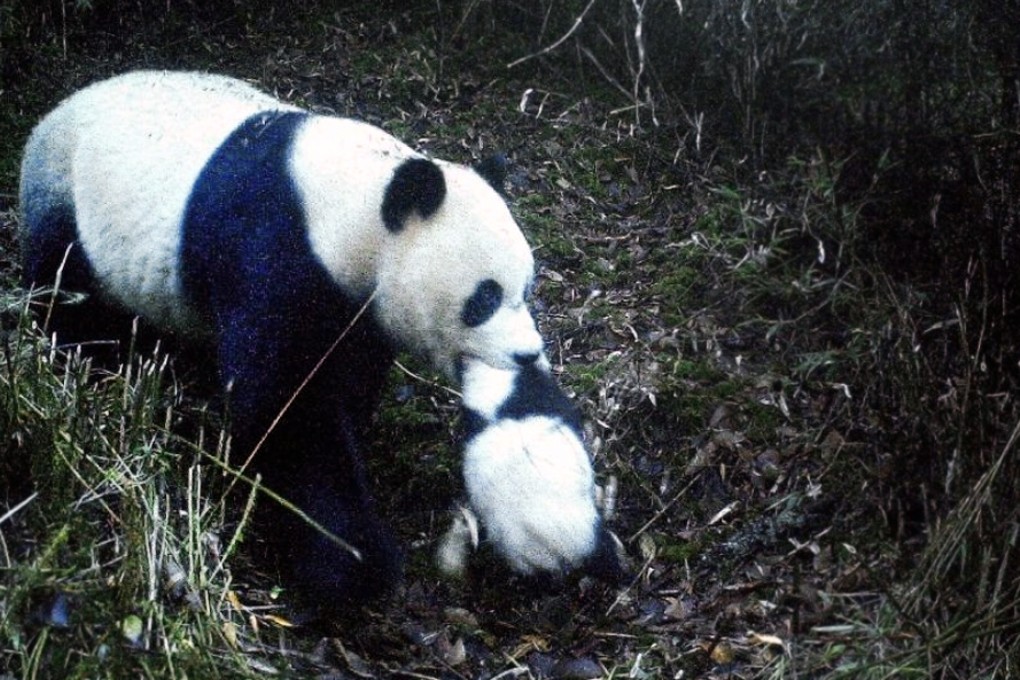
x,y
263,234
528,477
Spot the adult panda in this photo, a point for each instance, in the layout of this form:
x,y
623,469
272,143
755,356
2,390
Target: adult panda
x,y
222,215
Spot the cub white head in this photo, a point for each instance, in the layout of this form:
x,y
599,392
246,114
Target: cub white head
x,y
528,476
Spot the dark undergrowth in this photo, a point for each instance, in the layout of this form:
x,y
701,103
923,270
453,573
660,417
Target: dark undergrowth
x,y
778,271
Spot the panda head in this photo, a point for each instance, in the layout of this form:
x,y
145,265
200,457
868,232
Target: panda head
x,y
528,475
455,269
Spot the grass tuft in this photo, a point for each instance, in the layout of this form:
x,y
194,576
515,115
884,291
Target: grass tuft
x,y
118,563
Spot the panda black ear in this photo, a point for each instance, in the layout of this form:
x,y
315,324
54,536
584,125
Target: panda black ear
x,y
493,171
417,185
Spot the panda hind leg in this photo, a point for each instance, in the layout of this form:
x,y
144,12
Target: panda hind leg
x,y
351,557
334,576
312,458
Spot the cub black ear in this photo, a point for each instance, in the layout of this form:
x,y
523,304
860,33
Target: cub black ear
x,y
418,185
493,171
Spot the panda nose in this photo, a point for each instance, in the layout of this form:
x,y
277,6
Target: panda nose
x,y
525,358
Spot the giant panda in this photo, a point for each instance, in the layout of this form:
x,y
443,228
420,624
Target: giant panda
x,y
528,478
223,216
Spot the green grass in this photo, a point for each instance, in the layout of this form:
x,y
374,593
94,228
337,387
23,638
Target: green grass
x,y
118,564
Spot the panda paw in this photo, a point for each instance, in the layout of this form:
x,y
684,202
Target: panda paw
x,y
335,580
333,577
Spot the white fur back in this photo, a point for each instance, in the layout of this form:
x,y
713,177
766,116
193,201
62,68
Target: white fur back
x,y
531,483
132,147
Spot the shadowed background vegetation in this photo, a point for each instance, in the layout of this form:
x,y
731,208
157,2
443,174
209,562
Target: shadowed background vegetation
x,y
779,260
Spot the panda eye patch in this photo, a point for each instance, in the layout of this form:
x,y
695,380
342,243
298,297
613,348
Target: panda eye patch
x,y
482,304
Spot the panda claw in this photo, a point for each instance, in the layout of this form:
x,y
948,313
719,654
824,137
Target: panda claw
x,y
605,497
453,547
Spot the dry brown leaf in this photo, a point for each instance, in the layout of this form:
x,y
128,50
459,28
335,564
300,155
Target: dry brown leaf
x,y
722,653
722,514
530,643
677,608
453,653
355,664
765,640
234,600
279,620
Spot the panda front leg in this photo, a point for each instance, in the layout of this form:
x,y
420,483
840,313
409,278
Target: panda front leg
x,y
312,457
